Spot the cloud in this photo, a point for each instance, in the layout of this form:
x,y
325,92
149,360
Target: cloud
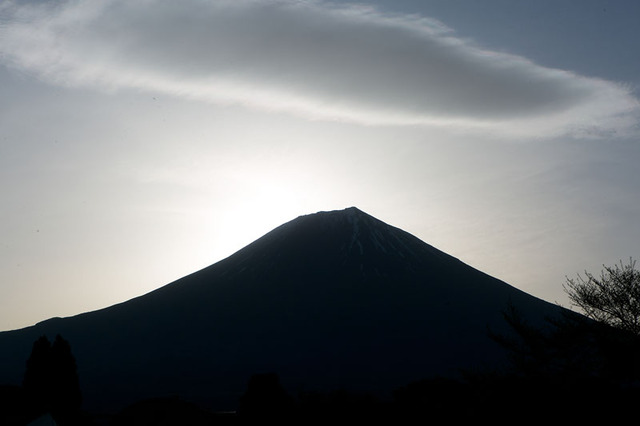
x,y
317,59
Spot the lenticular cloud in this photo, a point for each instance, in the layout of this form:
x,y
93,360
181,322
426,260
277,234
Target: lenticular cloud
x,y
310,58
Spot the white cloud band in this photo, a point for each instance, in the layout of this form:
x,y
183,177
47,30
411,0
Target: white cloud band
x,y
312,58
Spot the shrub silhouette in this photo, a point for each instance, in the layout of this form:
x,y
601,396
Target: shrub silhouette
x,y
265,398
164,412
340,406
572,362
14,409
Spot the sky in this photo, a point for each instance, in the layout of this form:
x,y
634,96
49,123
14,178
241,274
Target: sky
x,y
143,141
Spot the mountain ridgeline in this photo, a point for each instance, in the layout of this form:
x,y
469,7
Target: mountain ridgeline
x,y
332,300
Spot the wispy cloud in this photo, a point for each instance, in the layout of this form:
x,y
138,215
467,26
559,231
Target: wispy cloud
x,y
313,58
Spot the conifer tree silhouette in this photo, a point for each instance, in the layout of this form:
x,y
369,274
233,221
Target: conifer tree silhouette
x,y
51,378
37,376
66,395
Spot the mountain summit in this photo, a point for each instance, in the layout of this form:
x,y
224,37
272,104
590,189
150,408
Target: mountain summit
x,y
332,300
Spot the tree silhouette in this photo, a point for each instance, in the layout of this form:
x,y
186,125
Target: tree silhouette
x,y
37,376
613,298
51,378
66,395
572,362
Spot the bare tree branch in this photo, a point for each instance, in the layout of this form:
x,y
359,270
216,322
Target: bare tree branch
x,y
613,298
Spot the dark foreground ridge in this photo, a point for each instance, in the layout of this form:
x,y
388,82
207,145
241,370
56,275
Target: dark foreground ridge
x,y
332,300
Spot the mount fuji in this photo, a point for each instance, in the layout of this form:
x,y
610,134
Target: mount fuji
x,y
332,300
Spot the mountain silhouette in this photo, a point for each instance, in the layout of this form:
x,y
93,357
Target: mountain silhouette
x,y
332,300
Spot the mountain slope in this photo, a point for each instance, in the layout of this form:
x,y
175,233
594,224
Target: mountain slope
x,y
328,300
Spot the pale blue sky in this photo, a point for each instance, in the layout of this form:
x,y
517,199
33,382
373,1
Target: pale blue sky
x,y
142,141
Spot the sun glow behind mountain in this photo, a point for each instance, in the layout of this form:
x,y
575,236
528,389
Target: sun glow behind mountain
x,y
331,300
